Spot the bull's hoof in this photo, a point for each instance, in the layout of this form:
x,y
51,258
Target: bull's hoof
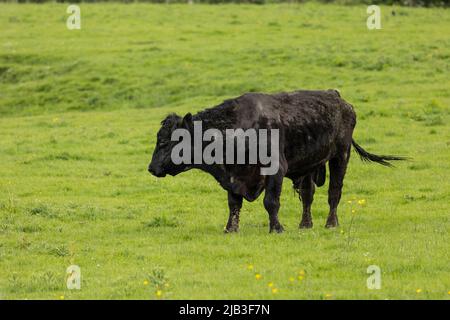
x,y
232,229
233,224
331,225
277,228
332,222
306,224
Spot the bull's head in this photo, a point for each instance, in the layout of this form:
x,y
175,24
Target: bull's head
x,y
162,163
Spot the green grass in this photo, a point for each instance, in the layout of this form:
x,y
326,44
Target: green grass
x,y
79,115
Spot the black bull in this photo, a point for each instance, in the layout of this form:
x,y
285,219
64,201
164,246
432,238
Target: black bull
x,y
315,127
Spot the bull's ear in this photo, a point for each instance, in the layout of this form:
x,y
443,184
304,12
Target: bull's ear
x,y
187,121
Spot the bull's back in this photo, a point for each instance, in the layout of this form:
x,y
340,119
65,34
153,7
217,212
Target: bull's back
x,y
324,111
296,108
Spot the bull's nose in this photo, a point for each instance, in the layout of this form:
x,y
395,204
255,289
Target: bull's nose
x,y
156,172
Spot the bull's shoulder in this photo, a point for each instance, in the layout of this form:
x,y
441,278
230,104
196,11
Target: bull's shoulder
x,y
254,105
254,99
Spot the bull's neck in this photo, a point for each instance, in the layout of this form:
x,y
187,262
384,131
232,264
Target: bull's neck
x,y
217,171
211,120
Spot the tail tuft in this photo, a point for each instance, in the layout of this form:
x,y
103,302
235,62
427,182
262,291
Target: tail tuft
x,y
369,157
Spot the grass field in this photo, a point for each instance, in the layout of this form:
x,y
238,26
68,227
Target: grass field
x,y
79,114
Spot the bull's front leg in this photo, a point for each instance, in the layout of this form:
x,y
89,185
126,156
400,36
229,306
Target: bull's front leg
x,y
235,205
272,201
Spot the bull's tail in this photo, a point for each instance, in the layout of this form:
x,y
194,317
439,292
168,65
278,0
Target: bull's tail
x,y
369,157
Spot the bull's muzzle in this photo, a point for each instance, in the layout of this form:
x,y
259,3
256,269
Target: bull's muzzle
x,y
157,172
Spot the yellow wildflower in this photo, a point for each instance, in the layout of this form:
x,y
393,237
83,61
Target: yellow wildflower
x,y
258,276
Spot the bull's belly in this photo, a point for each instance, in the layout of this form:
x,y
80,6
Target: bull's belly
x,y
297,170
302,166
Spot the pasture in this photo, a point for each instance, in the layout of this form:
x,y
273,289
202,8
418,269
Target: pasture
x,y
79,114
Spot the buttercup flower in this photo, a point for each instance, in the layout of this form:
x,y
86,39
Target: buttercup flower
x,y
258,276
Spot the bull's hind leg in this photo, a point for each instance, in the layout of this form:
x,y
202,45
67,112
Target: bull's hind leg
x,y
338,166
306,191
272,201
235,205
